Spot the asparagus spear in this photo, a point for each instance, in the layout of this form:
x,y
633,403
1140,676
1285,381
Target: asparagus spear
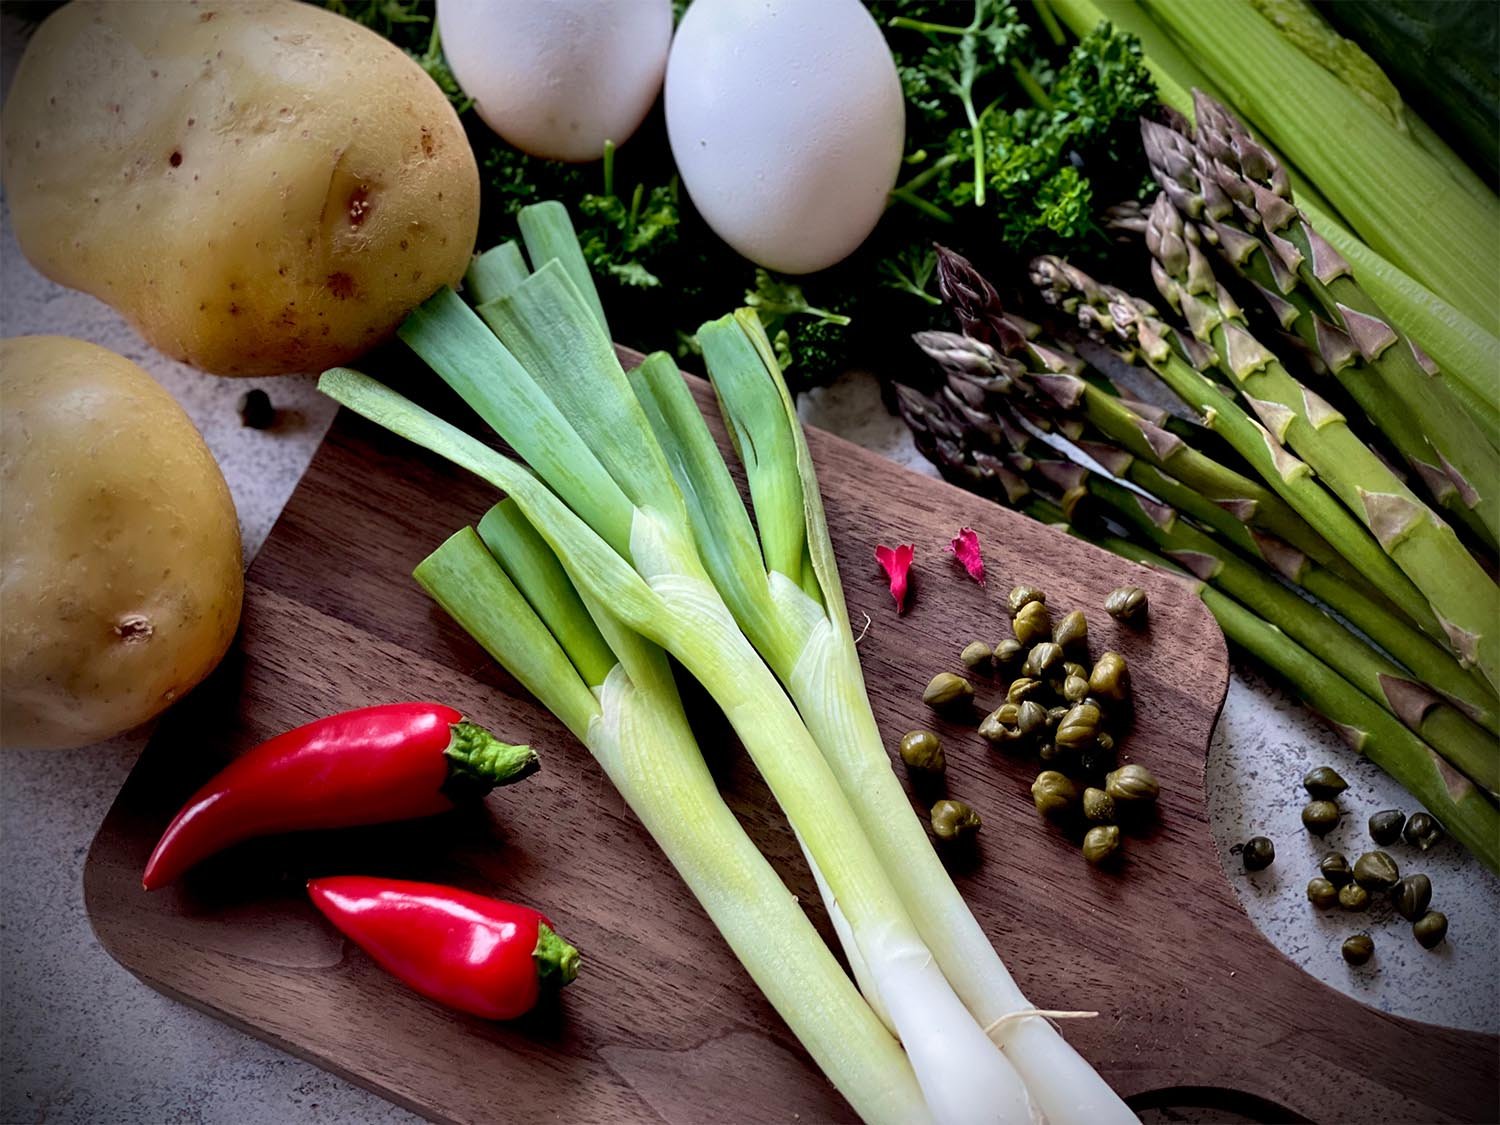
x,y
1367,728
1185,175
1466,747
965,428
1057,374
1254,180
1100,306
1426,549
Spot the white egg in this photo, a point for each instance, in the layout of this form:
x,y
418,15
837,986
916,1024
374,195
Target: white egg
x,y
558,78
786,120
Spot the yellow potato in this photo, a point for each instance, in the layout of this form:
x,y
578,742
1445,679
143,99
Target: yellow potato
x,y
120,577
260,187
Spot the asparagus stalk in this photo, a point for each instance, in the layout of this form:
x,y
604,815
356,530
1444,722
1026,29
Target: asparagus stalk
x,y
1102,307
1057,375
1186,175
1461,742
1367,728
969,457
1466,747
1399,199
1426,549
1253,179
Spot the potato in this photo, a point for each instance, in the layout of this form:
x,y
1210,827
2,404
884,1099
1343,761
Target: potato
x,y
260,187
120,576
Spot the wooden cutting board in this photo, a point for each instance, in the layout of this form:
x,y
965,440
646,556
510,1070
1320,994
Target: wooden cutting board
x,y
663,1024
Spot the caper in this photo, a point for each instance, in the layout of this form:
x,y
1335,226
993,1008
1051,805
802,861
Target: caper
x,y
1075,688
1430,929
1258,853
1335,868
1422,830
1079,727
1358,949
1025,688
1022,596
1003,724
1072,632
1110,678
977,655
952,820
1073,668
1320,817
1324,783
1412,896
1100,842
1105,742
1053,793
1031,718
947,690
1321,893
1376,871
1353,897
1098,806
1127,603
1008,653
1055,716
1032,624
1385,827
922,750
1043,660
1132,783
1049,753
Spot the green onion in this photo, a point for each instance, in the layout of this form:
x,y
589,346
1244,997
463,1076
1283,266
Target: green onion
x,y
785,593
636,729
554,390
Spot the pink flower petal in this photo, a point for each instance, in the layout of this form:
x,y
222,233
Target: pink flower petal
x,y
965,548
896,561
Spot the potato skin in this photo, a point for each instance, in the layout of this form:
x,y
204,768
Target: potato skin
x,y
260,186
120,572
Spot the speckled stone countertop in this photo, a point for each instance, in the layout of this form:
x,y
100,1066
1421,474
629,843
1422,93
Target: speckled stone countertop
x,y
81,1040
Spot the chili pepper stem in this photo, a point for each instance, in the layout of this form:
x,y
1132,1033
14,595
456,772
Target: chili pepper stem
x,y
556,960
478,761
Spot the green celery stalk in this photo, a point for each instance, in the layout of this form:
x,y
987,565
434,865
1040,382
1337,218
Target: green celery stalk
x,y
1465,351
1401,201
637,731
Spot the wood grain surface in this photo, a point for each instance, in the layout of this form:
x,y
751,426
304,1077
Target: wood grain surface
x,y
663,1024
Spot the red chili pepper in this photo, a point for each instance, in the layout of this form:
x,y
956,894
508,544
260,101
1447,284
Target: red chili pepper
x,y
476,954
377,764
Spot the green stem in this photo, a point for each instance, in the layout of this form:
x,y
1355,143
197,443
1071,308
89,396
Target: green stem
x,y
932,210
1369,730
1027,81
1468,748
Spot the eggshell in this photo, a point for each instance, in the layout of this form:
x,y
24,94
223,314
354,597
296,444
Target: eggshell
x,y
558,78
786,119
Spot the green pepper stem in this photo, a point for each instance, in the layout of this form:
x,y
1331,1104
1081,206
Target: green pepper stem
x,y
556,960
478,761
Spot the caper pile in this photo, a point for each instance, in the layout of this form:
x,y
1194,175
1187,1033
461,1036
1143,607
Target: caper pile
x,y
1067,711
1352,887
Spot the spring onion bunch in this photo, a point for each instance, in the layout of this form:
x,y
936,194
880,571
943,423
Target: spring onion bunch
x,y
623,487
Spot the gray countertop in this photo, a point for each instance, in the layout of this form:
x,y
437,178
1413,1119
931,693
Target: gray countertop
x,y
82,1040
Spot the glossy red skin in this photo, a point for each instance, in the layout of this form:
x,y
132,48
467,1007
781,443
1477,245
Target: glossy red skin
x,y
461,949
368,766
